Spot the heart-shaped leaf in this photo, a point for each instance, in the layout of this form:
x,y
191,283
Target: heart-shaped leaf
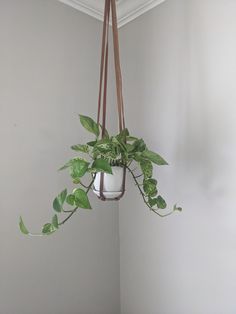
x,y
78,167
70,199
89,124
150,187
81,199
152,201
48,228
147,168
161,203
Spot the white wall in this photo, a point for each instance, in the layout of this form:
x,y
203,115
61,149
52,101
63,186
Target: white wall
x,y
49,69
179,75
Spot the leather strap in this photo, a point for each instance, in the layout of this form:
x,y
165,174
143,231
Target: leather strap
x,y
103,81
102,98
120,105
110,5
104,54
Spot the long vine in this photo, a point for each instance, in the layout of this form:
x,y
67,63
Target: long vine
x,y
100,155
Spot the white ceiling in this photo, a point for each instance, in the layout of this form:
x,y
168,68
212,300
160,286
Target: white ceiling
x,y
127,10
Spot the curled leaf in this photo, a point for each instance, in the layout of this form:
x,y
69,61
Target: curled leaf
x,y
59,201
22,226
70,199
55,221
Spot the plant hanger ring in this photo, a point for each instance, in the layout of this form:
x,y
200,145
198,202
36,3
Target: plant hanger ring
x,y
110,5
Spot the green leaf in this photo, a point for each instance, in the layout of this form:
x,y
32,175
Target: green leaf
x,y
137,156
161,203
80,148
119,143
102,165
48,229
131,138
78,167
92,144
152,201
70,199
81,199
139,145
123,135
104,146
22,226
76,180
55,221
147,168
129,147
176,208
150,187
89,124
56,205
59,201
154,157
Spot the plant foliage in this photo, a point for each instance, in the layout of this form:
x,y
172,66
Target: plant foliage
x,y
100,155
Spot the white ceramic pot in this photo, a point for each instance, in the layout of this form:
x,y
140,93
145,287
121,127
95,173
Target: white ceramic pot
x,y
112,184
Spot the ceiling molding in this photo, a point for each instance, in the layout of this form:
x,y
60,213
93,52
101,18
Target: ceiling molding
x,y
127,10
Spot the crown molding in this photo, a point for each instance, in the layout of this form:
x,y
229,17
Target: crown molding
x,y
127,10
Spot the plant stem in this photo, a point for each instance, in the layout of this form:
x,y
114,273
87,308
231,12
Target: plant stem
x,y
143,196
138,176
83,185
75,209
68,217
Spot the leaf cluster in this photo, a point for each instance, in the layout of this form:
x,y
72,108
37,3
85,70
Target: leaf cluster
x,y
99,155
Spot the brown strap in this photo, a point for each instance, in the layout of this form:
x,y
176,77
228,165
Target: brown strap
x,y
120,105
104,79
105,76
104,68
104,45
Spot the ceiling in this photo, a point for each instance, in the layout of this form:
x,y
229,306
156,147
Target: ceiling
x,y
127,10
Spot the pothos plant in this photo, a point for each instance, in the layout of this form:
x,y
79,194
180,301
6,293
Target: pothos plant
x,y
100,155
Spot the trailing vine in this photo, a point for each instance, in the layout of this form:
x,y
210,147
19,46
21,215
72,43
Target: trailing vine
x,y
100,155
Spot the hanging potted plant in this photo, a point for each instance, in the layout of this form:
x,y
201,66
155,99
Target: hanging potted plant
x,y
107,158
110,156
